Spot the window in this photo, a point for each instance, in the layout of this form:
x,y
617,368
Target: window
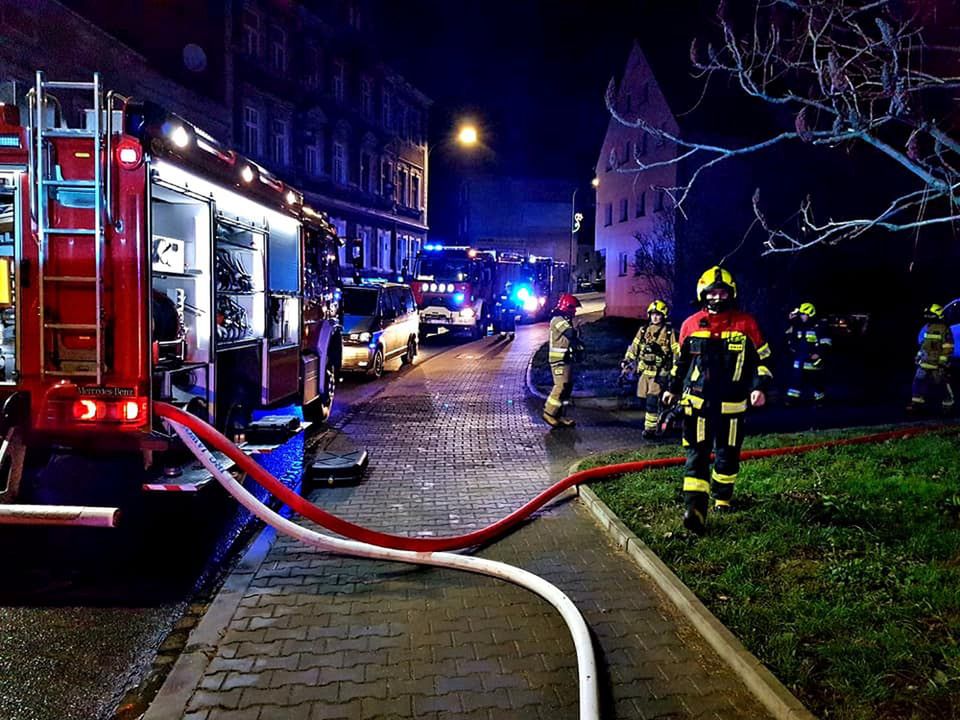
x,y
281,142
627,152
278,48
387,116
366,96
386,180
312,77
252,143
624,212
252,38
402,182
365,171
312,158
608,214
641,208
642,144
644,94
659,202
340,163
612,159
416,121
415,192
622,264
339,81
628,102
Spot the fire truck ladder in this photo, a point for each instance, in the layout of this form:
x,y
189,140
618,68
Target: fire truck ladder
x,y
48,182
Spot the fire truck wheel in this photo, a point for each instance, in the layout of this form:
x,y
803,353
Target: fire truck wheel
x,y
376,367
319,409
411,352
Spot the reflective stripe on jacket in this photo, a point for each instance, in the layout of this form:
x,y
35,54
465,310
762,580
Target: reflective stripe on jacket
x,y
653,349
723,357
936,346
563,338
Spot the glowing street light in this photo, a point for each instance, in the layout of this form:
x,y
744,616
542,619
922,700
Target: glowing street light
x,y
468,135
595,182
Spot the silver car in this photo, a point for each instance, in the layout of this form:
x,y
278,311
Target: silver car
x,y
380,322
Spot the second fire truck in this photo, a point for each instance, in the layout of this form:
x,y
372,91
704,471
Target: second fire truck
x,y
455,288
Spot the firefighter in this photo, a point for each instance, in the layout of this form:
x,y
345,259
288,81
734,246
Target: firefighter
x,y
931,385
506,313
565,349
650,356
808,343
721,367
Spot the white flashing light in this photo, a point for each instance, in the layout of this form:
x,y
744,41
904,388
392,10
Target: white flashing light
x,y
246,174
467,313
530,304
433,287
180,137
291,197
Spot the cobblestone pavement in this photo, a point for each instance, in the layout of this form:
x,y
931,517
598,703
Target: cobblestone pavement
x,y
454,446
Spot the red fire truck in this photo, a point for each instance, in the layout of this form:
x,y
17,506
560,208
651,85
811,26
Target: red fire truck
x,y
140,260
454,288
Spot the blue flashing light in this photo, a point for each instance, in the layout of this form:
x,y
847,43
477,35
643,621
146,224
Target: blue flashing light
x,y
522,293
372,346
432,248
458,298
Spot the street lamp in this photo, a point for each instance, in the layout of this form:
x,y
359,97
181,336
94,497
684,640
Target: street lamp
x,y
468,136
577,219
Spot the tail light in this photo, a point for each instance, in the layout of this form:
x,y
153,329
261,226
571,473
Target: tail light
x,y
127,411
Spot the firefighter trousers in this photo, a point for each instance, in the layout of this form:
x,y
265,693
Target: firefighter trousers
x,y
931,387
562,389
649,389
806,381
703,434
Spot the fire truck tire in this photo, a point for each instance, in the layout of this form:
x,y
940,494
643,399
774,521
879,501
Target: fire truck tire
x,y
411,353
319,410
376,366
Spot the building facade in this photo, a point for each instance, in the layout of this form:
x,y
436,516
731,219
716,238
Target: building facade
x,y
634,216
316,106
296,86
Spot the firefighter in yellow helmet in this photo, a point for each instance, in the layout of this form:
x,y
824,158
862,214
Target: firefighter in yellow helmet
x,y
931,384
809,343
720,371
650,356
565,349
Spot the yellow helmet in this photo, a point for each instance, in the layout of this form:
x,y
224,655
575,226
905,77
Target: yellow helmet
x,y
807,309
658,306
934,310
713,278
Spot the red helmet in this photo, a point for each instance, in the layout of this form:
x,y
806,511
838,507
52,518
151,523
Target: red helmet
x,y
567,304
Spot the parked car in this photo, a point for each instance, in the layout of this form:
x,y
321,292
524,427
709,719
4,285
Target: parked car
x,y
380,322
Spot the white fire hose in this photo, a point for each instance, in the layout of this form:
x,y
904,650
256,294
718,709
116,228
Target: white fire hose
x,y
586,665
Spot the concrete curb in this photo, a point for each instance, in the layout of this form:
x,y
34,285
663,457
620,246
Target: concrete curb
x,y
171,700
771,693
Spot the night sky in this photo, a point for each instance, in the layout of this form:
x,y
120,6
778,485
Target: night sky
x,y
532,71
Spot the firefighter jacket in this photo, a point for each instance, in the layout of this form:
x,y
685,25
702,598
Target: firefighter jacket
x,y
652,350
806,340
565,344
936,346
723,357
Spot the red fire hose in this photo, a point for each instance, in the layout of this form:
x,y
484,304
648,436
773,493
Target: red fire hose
x,y
478,537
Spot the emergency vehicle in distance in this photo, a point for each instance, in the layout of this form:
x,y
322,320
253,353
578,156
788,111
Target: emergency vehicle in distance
x,y
455,288
142,260
536,283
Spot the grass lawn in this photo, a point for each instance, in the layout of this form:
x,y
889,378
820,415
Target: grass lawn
x,y
606,341
840,569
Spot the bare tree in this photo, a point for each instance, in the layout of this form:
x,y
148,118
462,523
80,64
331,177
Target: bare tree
x,y
848,71
655,257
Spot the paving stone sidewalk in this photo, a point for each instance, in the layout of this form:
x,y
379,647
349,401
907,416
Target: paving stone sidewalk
x,y
454,445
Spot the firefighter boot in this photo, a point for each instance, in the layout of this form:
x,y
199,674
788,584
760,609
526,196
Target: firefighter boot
x,y
550,419
649,433
694,521
722,506
695,516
